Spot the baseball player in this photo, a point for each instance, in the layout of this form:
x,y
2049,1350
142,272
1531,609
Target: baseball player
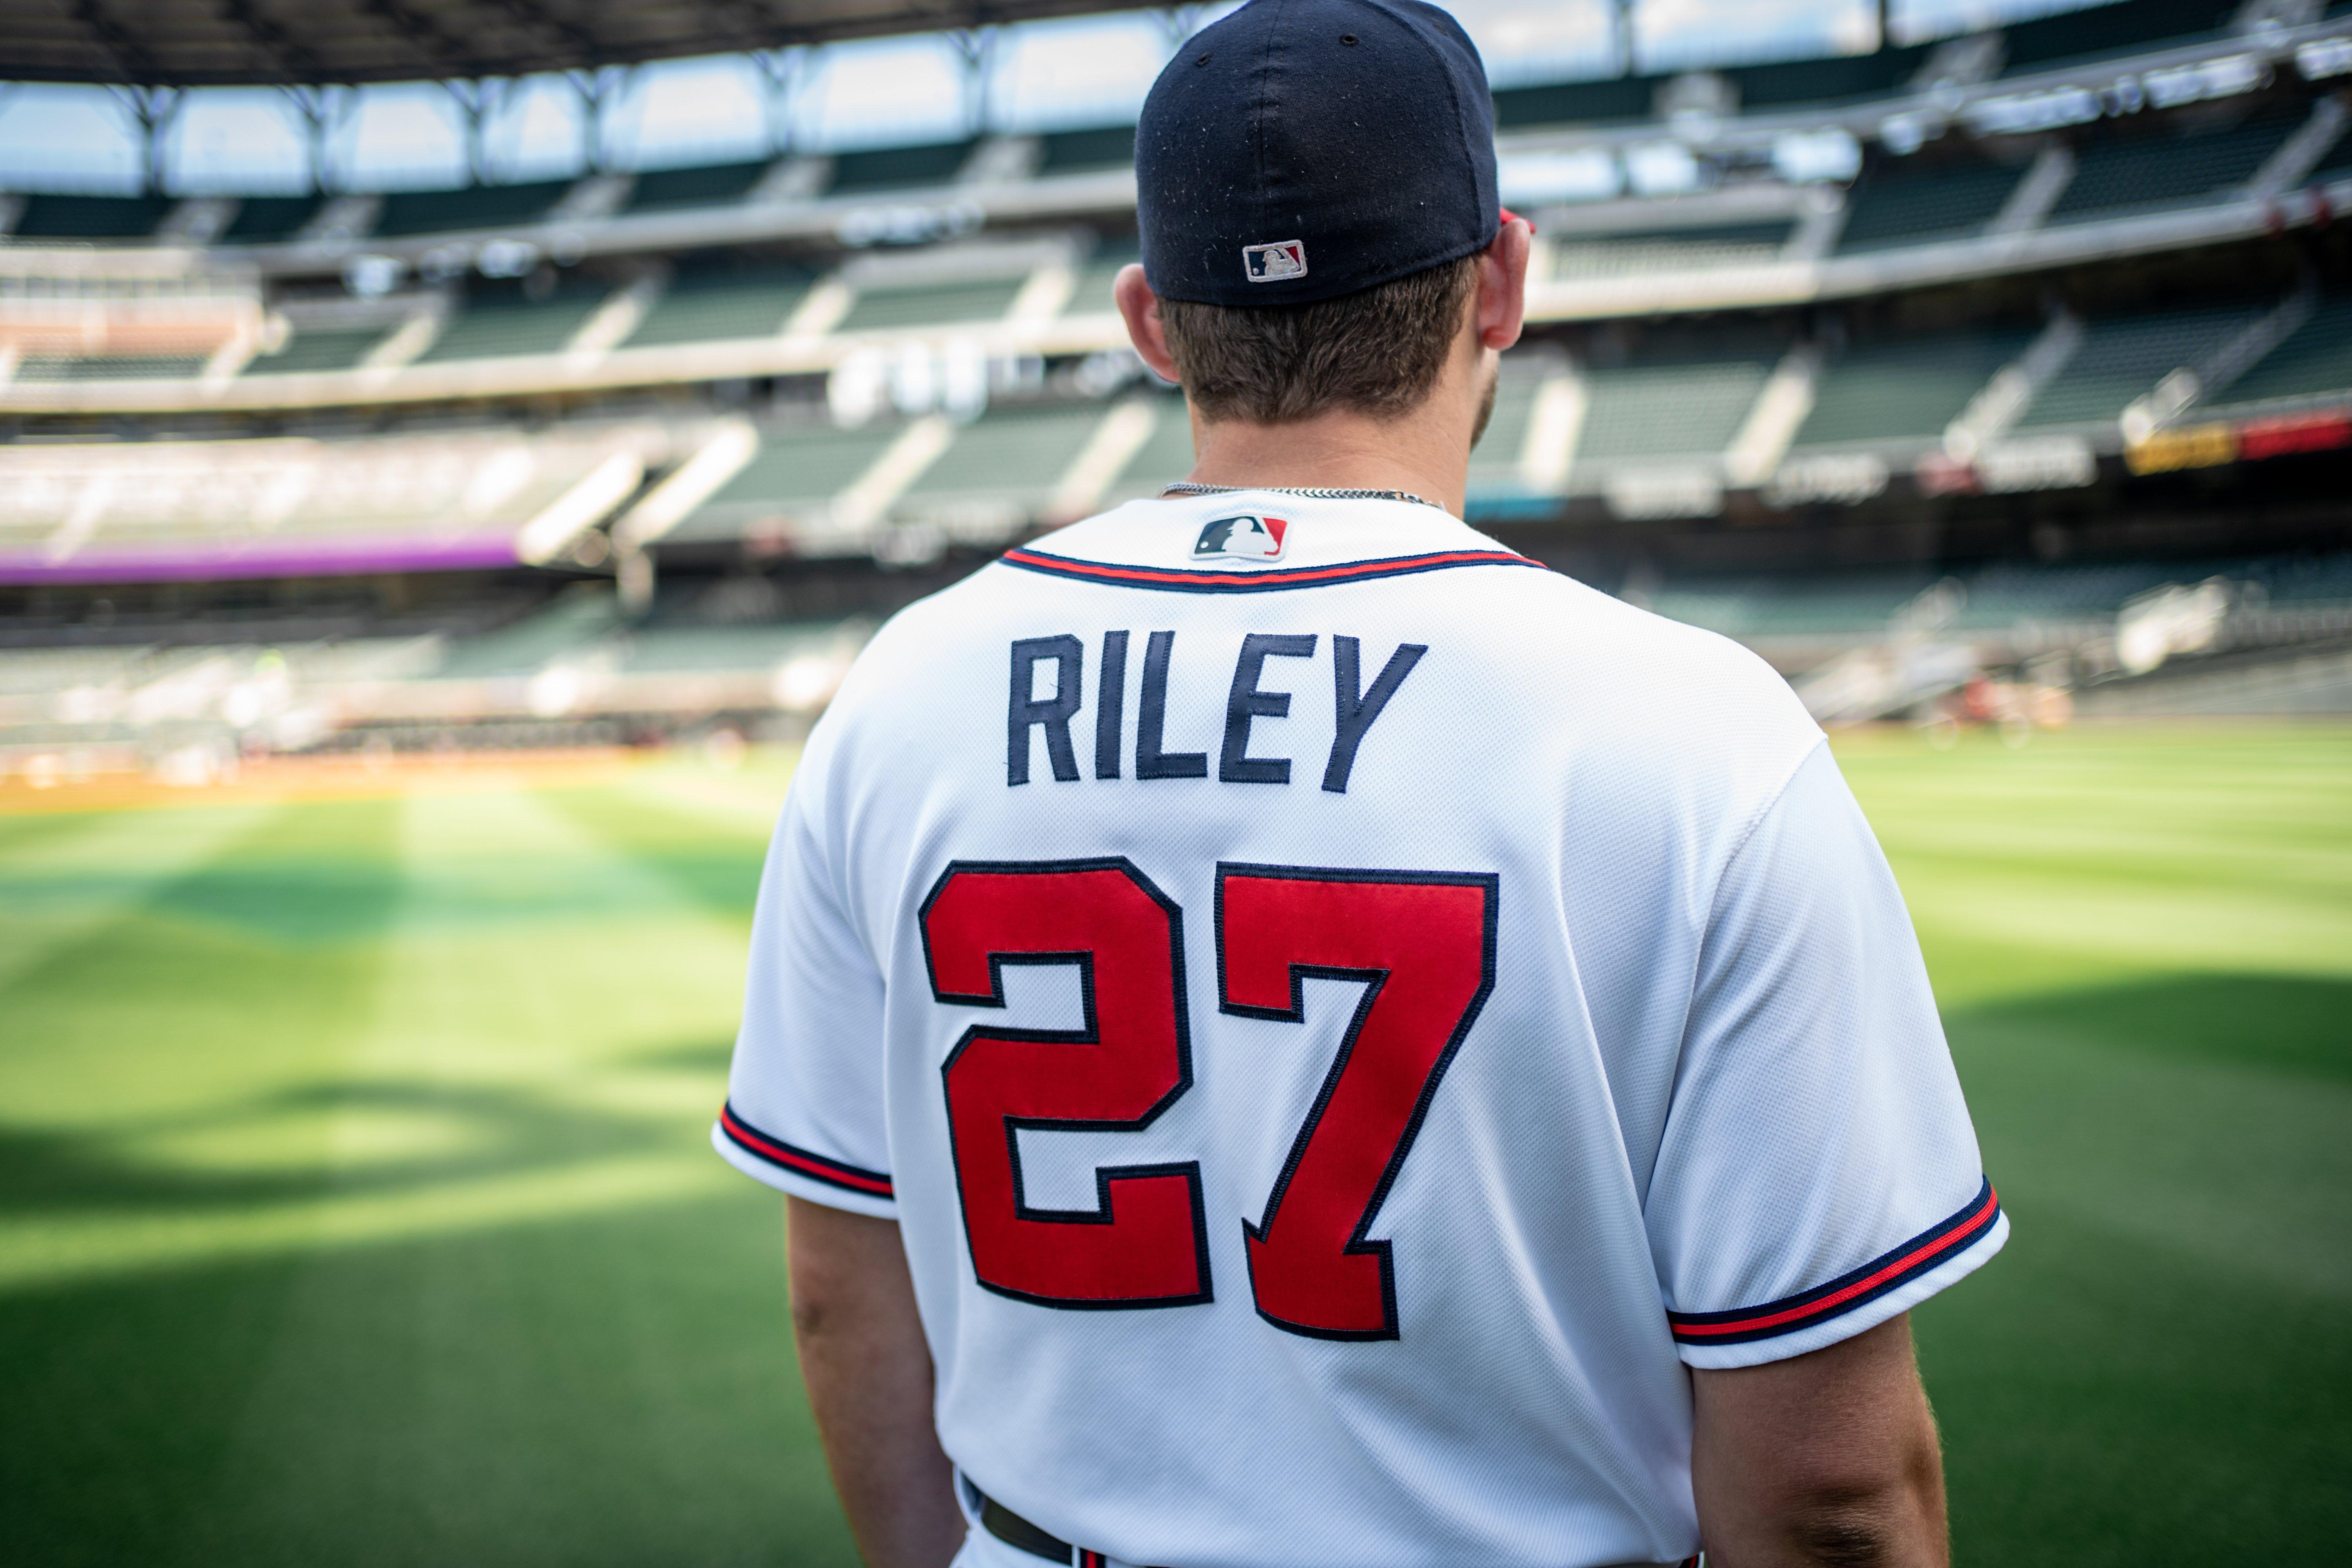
x,y
1294,1037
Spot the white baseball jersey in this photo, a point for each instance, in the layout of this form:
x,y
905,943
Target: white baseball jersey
x,y
1343,1016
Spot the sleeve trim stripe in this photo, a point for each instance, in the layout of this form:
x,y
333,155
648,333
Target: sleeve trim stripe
x,y
1848,1291
801,1161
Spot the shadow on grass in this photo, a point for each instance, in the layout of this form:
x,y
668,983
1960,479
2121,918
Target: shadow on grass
x,y
2125,1386
2293,1023
84,1175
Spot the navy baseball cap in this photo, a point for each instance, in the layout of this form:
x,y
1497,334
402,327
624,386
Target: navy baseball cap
x,y
1300,150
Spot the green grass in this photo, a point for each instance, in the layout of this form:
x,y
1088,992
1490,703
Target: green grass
x,y
354,1205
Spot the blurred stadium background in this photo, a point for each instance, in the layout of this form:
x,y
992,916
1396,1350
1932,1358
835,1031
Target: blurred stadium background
x,y
450,450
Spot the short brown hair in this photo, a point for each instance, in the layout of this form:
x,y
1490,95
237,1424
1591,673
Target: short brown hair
x,y
1377,351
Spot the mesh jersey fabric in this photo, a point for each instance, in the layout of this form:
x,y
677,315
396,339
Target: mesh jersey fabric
x,y
1702,1114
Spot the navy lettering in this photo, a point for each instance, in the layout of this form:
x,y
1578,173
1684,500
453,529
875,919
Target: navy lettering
x,y
1151,721
1358,708
1110,705
1246,702
1070,665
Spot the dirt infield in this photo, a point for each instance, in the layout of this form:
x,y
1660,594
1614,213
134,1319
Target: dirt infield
x,y
346,776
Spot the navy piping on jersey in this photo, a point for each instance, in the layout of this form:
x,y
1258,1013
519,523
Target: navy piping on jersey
x,y
1848,1291
801,1161
1174,580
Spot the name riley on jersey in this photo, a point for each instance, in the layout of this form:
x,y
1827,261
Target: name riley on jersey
x,y
1048,688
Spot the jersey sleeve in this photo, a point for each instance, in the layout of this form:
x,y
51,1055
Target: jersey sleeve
x,y
804,1108
1819,1173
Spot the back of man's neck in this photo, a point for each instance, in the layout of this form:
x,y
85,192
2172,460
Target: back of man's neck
x,y
1335,451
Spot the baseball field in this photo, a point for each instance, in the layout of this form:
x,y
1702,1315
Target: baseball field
x,y
355,1206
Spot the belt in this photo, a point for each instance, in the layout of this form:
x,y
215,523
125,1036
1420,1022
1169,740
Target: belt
x,y
1034,1539
1038,1542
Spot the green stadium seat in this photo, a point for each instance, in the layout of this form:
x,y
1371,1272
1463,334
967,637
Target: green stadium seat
x,y
263,220
1014,455
715,301
1840,76
476,207
1670,405
90,217
935,304
2116,27
1637,252
1905,387
1075,151
581,616
797,471
500,318
1091,293
2123,357
1905,204
898,168
1494,461
1165,457
2315,358
704,185
116,367
663,650
322,348
1576,102
2169,170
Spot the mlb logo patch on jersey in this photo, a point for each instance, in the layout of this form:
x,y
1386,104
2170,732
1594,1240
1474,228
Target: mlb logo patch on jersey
x,y
1241,539
1276,263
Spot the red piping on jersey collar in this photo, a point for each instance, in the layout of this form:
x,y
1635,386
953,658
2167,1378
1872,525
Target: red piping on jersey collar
x,y
1184,582
1842,1295
801,1162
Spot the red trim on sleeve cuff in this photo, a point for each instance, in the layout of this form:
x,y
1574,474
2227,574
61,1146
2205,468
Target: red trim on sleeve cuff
x,y
801,1161
1874,1278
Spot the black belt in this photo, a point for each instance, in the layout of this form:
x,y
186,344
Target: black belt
x,y
1038,1542
1034,1539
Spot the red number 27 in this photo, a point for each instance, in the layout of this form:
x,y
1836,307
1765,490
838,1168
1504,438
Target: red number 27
x,y
1422,942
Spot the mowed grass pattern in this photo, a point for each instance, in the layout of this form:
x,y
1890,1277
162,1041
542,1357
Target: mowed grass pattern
x,y
355,1206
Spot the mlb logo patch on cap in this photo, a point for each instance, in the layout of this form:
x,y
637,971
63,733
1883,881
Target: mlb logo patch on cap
x,y
1241,539
1276,263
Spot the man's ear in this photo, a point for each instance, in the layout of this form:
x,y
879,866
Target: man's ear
x,y
1502,285
1139,307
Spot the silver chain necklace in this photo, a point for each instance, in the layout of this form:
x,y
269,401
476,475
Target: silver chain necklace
x,y
1187,488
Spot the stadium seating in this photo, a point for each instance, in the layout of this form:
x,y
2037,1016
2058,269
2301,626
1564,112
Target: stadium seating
x,y
1002,469
797,471
716,300
2315,358
474,207
263,220
1837,78
2113,28
114,367
898,168
1165,457
2123,357
1091,292
1897,388
1495,468
1078,151
503,318
90,217
1675,402
575,618
1575,102
2170,169
1907,204
934,304
322,348
701,185
1639,252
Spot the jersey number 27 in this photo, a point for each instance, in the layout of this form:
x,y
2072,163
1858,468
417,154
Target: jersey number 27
x,y
1422,942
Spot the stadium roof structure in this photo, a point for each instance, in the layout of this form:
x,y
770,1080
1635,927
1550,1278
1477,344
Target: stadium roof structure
x,y
293,43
